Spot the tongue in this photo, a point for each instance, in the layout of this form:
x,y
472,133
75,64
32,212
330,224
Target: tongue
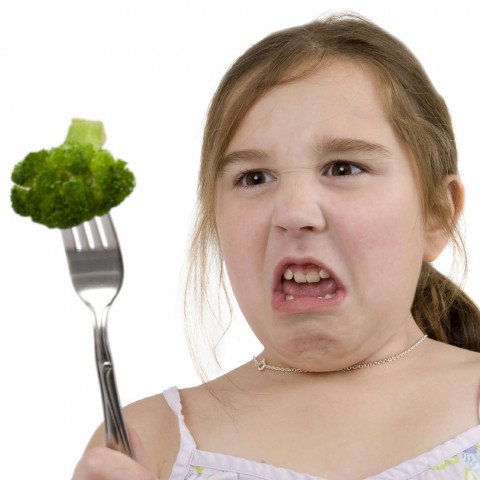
x,y
318,289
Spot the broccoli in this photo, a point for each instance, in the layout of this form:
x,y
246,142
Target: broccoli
x,y
70,184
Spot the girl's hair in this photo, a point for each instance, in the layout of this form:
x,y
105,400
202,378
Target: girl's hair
x,y
418,114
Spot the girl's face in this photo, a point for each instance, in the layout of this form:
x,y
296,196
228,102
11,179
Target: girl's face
x,y
319,221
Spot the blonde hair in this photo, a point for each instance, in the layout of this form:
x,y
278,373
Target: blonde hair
x,y
417,112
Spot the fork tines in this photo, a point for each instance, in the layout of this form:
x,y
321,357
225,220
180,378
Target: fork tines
x,y
95,234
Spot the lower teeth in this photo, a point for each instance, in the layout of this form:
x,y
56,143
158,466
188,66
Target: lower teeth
x,y
326,297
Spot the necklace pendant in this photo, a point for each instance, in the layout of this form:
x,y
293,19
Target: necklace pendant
x,y
262,365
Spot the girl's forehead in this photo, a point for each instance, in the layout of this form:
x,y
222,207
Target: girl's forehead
x,y
339,97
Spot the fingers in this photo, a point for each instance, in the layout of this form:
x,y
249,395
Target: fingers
x,y
101,463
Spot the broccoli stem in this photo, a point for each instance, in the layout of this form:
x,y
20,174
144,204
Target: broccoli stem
x,y
86,131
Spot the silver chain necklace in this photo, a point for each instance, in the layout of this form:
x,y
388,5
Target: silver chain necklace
x,y
262,364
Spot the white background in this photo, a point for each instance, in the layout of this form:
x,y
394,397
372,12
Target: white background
x,y
147,69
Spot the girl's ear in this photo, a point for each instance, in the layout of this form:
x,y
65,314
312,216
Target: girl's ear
x,y
437,235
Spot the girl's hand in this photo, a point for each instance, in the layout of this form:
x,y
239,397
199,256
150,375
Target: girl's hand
x,y
101,463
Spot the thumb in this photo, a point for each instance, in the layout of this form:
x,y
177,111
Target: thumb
x,y
141,455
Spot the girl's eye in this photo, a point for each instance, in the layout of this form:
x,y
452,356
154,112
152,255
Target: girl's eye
x,y
343,169
253,178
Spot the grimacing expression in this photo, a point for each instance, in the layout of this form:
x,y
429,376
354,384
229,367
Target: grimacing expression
x,y
319,220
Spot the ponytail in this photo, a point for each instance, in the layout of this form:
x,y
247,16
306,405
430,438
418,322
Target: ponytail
x,y
444,311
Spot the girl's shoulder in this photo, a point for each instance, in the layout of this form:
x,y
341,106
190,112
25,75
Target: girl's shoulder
x,y
157,426
451,357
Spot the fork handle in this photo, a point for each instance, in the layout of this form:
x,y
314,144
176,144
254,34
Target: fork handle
x,y
115,430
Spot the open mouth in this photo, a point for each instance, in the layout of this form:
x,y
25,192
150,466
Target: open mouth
x,y
307,281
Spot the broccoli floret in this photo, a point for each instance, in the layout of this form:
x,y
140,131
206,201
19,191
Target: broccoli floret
x,y
70,184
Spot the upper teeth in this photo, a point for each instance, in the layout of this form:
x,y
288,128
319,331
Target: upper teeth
x,y
312,276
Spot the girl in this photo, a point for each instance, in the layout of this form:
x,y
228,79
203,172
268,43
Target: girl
x,y
328,185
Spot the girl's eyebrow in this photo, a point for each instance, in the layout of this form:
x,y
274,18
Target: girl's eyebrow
x,y
329,145
241,156
332,145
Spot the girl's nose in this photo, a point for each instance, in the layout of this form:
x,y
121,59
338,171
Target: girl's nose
x,y
298,207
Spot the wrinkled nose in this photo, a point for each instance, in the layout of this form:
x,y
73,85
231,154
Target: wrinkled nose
x,y
298,207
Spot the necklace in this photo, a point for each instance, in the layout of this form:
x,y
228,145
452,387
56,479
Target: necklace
x,y
262,364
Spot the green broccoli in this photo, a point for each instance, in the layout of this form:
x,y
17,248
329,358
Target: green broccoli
x,y
70,184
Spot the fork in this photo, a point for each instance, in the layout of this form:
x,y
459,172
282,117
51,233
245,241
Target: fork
x,y
96,269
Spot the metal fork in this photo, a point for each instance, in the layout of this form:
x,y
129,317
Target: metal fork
x,y
96,269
